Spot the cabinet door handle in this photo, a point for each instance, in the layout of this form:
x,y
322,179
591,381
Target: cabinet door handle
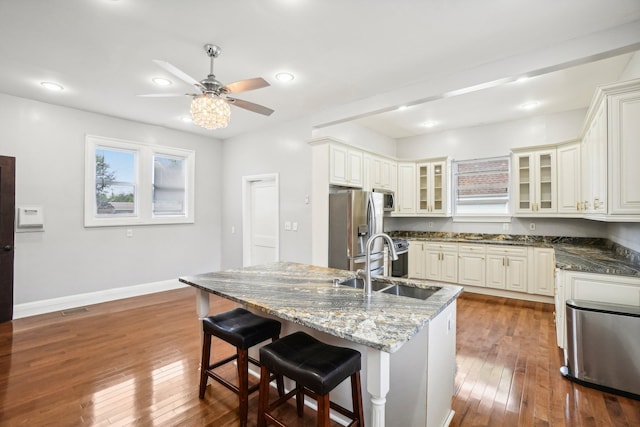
x,y
503,261
507,261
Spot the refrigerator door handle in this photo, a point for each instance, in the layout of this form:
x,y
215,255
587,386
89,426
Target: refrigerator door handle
x,y
371,215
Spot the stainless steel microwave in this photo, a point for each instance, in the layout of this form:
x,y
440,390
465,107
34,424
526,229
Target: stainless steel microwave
x,y
389,199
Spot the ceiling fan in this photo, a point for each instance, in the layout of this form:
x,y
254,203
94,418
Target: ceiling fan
x,y
210,108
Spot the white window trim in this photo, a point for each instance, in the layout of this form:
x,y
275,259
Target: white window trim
x,y
144,179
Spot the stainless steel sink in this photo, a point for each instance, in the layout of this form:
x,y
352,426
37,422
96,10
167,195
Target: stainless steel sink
x,y
390,288
358,283
410,291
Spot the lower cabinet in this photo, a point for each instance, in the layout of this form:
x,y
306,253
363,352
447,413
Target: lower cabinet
x,y
472,264
441,262
507,268
520,269
602,288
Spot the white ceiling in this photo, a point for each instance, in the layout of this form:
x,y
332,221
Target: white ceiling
x,y
341,52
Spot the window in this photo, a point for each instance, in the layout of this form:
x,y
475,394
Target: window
x,y
130,183
481,187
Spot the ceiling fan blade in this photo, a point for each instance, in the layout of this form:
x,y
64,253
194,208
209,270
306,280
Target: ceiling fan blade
x,y
256,108
179,73
162,95
245,85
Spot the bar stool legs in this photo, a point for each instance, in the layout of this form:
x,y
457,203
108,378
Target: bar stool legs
x,y
243,330
316,368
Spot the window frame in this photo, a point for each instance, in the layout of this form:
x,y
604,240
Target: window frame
x,y
479,216
143,176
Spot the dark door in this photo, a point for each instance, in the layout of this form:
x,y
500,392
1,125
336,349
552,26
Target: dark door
x,y
7,216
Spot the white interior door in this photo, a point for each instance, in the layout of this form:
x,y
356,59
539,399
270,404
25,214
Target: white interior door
x,y
261,219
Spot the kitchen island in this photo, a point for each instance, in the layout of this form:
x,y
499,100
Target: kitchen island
x,y
408,345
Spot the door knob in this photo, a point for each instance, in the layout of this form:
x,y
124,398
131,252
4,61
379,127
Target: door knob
x,y
7,248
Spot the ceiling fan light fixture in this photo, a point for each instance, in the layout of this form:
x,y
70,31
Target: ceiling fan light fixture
x,y
210,112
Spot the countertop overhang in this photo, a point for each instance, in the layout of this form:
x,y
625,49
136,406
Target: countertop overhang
x,y
306,295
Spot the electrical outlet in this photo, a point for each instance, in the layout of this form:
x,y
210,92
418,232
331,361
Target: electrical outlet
x,y
129,232
430,224
532,226
505,226
287,225
294,226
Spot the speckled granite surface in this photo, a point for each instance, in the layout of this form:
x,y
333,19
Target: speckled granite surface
x,y
306,295
589,255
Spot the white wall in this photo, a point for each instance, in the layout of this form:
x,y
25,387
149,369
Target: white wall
x,y
68,259
281,149
632,70
359,136
494,139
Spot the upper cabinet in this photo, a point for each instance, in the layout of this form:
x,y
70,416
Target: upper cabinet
x,y
406,194
569,179
610,153
345,166
535,182
432,182
381,173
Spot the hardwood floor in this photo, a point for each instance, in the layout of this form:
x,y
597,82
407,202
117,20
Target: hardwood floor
x,y
135,362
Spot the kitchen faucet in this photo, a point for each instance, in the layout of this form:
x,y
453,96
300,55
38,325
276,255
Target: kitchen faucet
x,y
394,256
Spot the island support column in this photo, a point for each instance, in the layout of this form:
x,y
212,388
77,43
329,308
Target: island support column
x,y
202,303
378,368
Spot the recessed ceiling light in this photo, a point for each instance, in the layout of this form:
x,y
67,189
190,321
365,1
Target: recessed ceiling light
x,y
161,81
52,86
531,105
284,77
430,123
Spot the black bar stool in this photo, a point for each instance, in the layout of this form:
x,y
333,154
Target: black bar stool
x,y
243,330
317,368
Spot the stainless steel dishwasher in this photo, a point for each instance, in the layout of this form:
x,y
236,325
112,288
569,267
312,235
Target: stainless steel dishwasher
x,y
603,346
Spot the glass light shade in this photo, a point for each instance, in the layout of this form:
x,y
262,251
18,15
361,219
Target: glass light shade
x,y
210,112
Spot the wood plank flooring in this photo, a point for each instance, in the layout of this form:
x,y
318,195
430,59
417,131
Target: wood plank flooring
x,y
135,362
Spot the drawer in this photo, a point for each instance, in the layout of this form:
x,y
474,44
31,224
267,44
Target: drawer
x,y
449,247
507,250
472,248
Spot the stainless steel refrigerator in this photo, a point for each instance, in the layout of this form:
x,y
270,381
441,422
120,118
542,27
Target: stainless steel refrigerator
x,y
354,216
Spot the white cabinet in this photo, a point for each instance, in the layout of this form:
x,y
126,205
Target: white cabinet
x,y
535,182
345,166
406,194
569,178
624,144
441,261
416,260
592,287
544,265
594,163
432,187
383,173
471,264
610,152
507,268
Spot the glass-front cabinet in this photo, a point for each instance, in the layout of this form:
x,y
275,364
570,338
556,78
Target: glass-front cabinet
x,y
432,187
535,182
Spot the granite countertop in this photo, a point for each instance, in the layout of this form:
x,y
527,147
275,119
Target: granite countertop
x,y
306,295
589,255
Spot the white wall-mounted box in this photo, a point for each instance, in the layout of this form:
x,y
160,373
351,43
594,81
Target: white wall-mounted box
x,y
30,218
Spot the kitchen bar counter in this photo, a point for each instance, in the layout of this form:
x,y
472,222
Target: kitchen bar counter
x,y
408,345
306,295
588,255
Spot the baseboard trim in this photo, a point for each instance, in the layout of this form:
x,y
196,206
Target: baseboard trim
x,y
56,304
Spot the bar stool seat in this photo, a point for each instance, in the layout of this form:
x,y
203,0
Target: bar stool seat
x,y
317,368
242,329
